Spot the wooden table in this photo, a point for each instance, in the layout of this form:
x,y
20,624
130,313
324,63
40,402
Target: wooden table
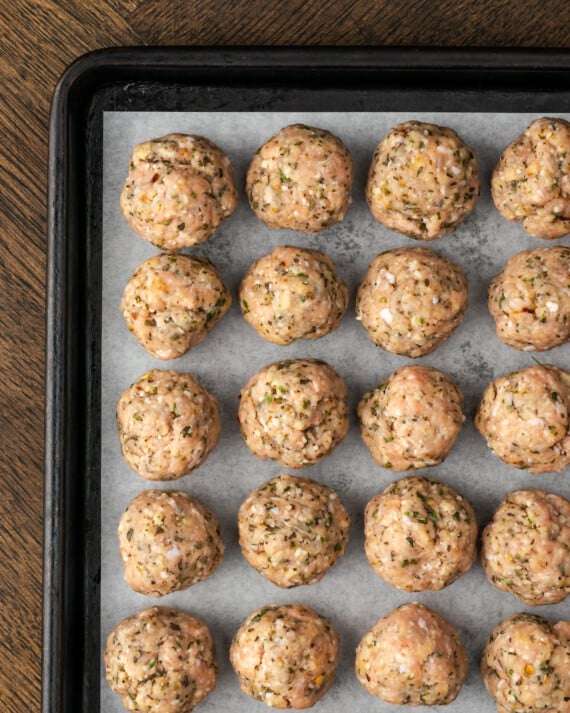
x,y
38,39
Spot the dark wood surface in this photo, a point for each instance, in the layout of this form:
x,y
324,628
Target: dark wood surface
x,y
38,39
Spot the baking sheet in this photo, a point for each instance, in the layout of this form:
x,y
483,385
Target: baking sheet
x,y
351,595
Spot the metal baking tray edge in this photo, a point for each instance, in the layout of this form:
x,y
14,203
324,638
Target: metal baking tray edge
x,y
71,646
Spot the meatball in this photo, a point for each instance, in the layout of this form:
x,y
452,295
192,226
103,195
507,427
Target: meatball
x,y
168,424
172,302
168,541
524,418
411,300
532,179
423,180
526,547
285,656
525,665
412,419
530,299
293,293
300,179
420,534
291,530
178,191
412,656
160,660
294,412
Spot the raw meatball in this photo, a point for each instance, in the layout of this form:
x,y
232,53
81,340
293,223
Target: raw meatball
x,y
160,660
178,191
293,294
294,412
412,419
291,530
532,179
285,656
300,179
524,418
420,534
525,665
411,300
530,299
413,657
168,424
172,302
168,541
423,180
526,547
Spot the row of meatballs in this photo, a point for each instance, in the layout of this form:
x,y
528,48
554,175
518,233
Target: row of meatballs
x,y
423,181
163,660
296,412
420,534
410,300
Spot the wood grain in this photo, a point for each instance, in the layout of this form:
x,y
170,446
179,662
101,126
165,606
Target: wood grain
x,y
38,39
482,23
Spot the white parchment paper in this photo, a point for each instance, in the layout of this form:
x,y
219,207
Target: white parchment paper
x,y
351,595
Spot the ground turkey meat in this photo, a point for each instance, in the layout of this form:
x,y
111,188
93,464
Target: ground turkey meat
x,y
292,530
524,418
172,302
412,656
530,299
526,664
300,179
420,534
168,424
178,191
160,660
526,547
168,541
412,419
293,293
294,412
532,179
423,180
411,300
285,656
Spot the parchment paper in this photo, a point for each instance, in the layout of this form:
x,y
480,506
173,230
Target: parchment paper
x,y
351,595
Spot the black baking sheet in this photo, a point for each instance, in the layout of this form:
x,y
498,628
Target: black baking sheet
x,y
192,80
